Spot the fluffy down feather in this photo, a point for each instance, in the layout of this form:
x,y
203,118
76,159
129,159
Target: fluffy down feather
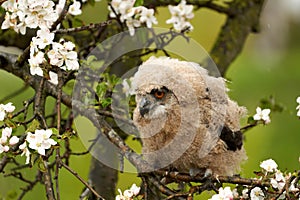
x,y
185,132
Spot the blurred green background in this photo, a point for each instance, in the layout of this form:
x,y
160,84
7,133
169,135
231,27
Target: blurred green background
x,y
268,65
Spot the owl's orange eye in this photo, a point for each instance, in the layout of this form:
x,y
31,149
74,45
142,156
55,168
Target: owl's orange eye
x,y
159,94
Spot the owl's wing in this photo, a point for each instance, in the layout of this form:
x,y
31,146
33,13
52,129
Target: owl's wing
x,y
233,140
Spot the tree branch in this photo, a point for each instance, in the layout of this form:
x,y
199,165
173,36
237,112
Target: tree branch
x,y
235,31
81,180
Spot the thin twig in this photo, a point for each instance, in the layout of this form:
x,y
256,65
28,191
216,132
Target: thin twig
x,y
81,180
83,28
57,168
220,179
48,182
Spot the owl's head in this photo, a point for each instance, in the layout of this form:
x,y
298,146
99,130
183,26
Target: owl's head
x,y
166,86
154,102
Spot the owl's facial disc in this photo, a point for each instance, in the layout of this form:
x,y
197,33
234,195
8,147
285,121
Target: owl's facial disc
x,y
152,105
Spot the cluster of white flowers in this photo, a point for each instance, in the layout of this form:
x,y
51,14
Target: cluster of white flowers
x,y
41,14
133,16
128,194
298,106
262,114
228,194
136,16
60,54
63,55
7,140
181,14
6,108
224,194
39,140
277,180
21,14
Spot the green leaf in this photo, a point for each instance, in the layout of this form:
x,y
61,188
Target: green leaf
x,y
101,89
35,124
106,102
271,103
10,123
138,3
91,59
67,134
54,131
41,165
251,120
11,195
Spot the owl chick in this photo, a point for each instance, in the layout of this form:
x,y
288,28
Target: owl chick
x,y
185,118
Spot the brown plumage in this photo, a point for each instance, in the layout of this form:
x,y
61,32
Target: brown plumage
x,y
186,120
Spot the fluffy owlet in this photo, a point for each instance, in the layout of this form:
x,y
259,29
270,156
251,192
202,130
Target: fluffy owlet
x,y
186,120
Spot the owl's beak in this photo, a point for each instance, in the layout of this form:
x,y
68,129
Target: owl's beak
x,y
144,106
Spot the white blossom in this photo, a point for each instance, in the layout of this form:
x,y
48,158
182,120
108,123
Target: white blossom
x,y
8,21
292,187
4,109
25,151
44,37
245,193
1,149
6,140
6,133
127,88
135,189
279,180
120,196
181,14
298,106
224,194
34,62
131,24
13,140
63,56
2,114
235,193
69,46
60,6
74,9
126,10
4,148
132,16
147,16
269,165
256,194
40,140
9,5
53,78
22,14
128,194
9,107
262,115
